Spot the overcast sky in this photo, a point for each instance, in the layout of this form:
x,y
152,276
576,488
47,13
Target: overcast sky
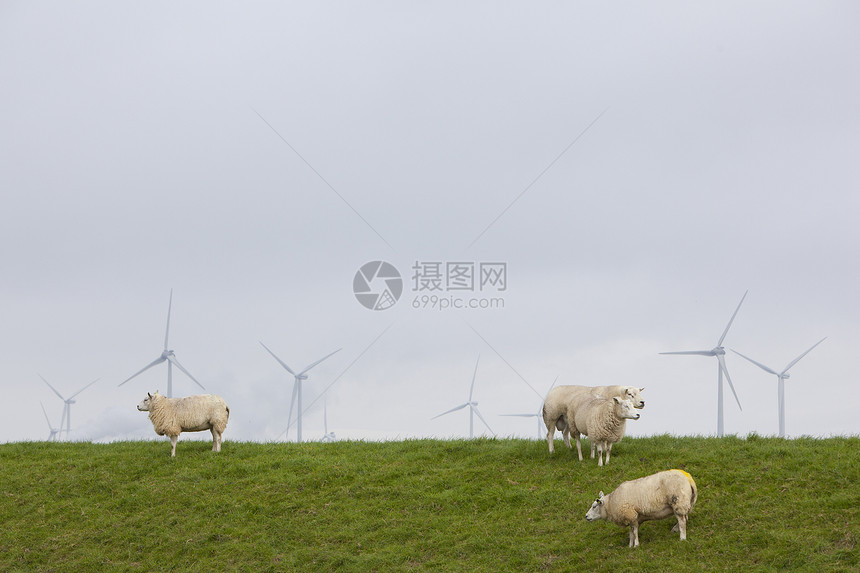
x,y
632,168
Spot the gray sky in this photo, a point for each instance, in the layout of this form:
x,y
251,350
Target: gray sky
x,y
636,168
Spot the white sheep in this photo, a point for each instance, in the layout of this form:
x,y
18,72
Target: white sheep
x,y
603,420
559,399
651,497
171,416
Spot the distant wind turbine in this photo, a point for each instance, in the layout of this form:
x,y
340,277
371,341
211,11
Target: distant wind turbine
x,y
297,389
327,436
54,431
166,355
541,430
720,353
473,407
66,417
781,376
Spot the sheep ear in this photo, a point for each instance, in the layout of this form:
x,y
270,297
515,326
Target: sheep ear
x,y
600,496
148,394
617,399
641,389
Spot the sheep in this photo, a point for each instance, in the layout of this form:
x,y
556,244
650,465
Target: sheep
x,y
171,416
603,420
651,497
559,398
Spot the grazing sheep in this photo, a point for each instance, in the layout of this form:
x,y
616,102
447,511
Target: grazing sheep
x,y
603,420
651,497
558,400
171,416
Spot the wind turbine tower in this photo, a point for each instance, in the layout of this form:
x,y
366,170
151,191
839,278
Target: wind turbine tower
x,y
297,389
473,407
781,376
327,436
66,417
168,356
720,354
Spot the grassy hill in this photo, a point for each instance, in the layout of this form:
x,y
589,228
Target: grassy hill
x,y
467,505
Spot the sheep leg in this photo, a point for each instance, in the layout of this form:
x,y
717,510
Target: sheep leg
x,y
608,451
634,534
578,446
682,526
173,445
550,438
592,449
566,434
600,454
216,440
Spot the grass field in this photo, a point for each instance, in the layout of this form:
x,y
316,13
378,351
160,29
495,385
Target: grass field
x,y
470,505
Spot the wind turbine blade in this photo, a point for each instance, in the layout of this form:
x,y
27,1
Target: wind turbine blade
x,y
460,407
722,360
759,364
155,362
52,388
176,363
167,330
472,387
693,352
281,362
318,361
553,384
46,416
520,415
84,388
476,411
796,360
729,325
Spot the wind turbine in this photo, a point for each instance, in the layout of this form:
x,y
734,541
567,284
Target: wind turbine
x,y
473,408
720,353
539,415
67,405
54,431
166,355
297,389
781,376
327,436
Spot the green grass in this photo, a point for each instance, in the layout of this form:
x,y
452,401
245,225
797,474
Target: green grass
x,y
474,505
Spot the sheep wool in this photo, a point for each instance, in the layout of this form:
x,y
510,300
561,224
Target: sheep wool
x,y
671,492
603,420
172,416
559,400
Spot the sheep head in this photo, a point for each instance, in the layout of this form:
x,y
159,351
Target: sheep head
x,y
625,409
634,394
597,510
145,403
